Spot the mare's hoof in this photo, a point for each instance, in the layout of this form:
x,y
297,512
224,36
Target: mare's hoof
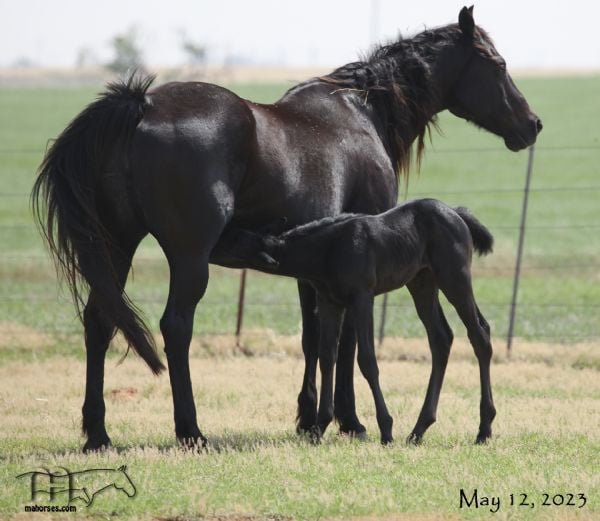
x,y
358,432
483,438
99,445
414,439
315,435
387,440
355,435
193,443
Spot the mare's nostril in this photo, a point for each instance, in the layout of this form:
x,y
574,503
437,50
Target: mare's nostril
x,y
539,125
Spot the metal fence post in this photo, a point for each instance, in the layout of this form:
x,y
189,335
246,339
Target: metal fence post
x,y
383,316
522,227
240,310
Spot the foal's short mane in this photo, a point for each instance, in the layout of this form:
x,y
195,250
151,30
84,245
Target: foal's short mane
x,y
396,80
313,226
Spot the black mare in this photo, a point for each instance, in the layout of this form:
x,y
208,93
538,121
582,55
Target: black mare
x,y
183,160
349,259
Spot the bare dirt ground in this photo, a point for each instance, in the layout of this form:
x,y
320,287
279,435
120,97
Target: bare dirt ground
x,y
266,343
50,77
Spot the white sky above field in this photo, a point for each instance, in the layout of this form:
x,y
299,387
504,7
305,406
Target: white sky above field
x,y
536,34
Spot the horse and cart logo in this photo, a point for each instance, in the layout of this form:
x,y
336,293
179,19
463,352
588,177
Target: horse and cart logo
x,y
83,485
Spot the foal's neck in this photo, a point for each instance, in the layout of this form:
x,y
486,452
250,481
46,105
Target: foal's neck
x,y
300,258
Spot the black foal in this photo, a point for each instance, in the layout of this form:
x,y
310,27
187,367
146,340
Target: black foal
x,y
424,245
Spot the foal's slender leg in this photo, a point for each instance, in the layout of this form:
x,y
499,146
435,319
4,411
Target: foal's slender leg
x,y
307,399
424,292
362,311
460,294
188,281
330,319
344,403
99,330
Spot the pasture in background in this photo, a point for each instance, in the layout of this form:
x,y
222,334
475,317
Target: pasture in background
x,y
547,395
558,303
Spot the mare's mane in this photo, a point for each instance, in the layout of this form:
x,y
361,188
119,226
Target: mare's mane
x,y
395,78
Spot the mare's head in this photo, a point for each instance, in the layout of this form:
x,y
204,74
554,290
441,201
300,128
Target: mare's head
x,y
477,87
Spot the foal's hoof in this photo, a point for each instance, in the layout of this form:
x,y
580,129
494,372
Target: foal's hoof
x,y
99,445
302,430
304,427
414,439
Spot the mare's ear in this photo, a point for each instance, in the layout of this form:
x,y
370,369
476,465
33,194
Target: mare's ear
x,y
466,21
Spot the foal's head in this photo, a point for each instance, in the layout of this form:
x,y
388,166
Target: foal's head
x,y
480,90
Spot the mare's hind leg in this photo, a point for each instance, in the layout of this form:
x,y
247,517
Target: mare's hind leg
x,y
459,292
307,399
344,403
188,282
345,409
362,311
99,331
424,292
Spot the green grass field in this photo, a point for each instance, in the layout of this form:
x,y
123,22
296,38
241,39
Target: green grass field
x,y
547,394
463,166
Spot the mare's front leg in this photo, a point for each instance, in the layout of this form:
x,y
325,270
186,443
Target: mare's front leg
x,y
307,399
330,320
188,282
362,314
343,399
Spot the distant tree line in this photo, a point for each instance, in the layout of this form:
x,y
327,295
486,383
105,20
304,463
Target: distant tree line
x,y
127,52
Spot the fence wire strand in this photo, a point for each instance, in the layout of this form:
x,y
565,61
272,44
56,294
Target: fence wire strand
x,y
20,227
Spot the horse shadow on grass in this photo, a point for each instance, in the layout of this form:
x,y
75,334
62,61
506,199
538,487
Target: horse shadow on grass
x,y
225,442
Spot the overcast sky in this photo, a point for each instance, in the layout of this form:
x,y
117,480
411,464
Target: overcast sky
x,y
537,34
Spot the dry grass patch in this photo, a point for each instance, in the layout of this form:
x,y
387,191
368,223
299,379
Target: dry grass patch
x,y
256,467
13,334
238,394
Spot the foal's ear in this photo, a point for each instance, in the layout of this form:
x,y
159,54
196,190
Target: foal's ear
x,y
271,241
466,21
275,227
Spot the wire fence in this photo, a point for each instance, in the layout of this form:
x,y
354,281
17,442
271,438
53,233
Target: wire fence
x,y
240,301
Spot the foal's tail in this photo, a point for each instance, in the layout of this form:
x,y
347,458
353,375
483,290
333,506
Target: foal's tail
x,y
65,204
483,241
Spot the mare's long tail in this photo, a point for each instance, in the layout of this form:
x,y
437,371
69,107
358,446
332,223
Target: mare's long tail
x,y
64,200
